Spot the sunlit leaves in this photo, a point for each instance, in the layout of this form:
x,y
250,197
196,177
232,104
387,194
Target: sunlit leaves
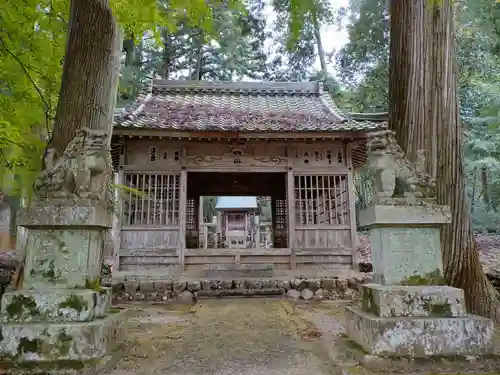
x,y
32,45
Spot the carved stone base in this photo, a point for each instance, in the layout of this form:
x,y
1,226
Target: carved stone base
x,y
419,336
402,300
32,344
417,321
55,305
61,316
405,241
64,243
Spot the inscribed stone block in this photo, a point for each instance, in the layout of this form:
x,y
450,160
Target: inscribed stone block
x,y
420,336
62,258
400,253
402,300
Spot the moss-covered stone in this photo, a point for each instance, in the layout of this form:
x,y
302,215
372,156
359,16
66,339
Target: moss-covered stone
x,y
28,346
438,309
21,304
367,302
48,269
74,302
64,342
96,286
431,278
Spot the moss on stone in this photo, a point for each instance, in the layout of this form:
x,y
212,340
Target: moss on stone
x,y
367,302
29,346
48,271
438,309
74,302
21,303
431,278
354,346
96,286
64,341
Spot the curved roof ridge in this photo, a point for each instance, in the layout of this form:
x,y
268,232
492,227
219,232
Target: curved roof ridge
x,y
180,105
236,86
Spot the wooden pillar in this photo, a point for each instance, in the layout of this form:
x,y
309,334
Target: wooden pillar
x,y
182,216
273,220
5,226
352,207
290,196
22,234
116,223
257,231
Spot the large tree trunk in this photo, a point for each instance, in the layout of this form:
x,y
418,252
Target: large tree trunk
x,y
90,73
424,113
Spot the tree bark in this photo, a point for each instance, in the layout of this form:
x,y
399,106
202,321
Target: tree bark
x,y
424,113
321,50
90,72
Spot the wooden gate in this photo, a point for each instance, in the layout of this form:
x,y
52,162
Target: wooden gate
x,y
322,224
151,223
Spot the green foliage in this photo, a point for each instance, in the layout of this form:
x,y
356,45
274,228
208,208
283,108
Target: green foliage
x,y
32,43
32,46
294,37
363,67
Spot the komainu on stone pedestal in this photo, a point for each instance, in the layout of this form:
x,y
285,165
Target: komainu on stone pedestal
x,y
409,312
396,178
83,171
58,314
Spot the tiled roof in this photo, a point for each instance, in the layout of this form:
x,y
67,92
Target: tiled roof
x,y
236,202
238,107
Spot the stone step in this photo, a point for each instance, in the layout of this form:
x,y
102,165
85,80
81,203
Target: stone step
x,y
240,292
413,301
239,267
55,305
420,337
260,270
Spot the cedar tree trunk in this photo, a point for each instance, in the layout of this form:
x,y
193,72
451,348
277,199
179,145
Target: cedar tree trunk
x,y
90,73
424,113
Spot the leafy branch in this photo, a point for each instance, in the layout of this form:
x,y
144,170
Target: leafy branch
x,y
26,72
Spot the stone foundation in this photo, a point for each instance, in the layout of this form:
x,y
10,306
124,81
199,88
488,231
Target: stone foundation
x,y
296,288
419,337
60,316
55,305
404,300
77,342
418,322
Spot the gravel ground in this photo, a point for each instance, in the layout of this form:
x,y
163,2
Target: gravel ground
x,y
222,337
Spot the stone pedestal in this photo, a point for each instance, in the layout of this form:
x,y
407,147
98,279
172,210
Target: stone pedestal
x,y
408,312
61,315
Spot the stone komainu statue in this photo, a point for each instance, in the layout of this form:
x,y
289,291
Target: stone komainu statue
x,y
83,171
395,175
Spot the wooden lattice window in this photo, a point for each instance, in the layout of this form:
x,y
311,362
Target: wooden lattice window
x,y
153,199
191,214
280,214
321,200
